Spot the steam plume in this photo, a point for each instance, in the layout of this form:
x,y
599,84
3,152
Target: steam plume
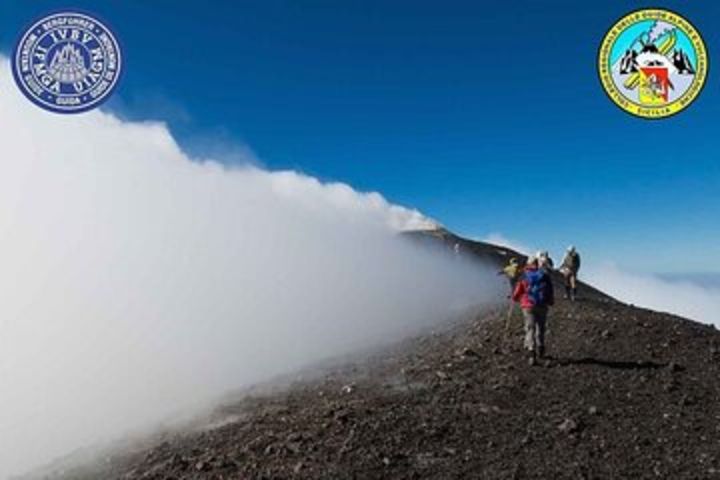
x,y
137,284
659,29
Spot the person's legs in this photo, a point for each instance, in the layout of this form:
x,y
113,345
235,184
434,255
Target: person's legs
x,y
573,285
530,335
540,320
566,277
529,320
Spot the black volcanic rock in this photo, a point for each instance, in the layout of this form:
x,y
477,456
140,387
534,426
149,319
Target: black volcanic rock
x,y
649,48
642,403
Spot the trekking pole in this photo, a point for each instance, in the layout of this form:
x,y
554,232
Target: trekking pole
x,y
507,323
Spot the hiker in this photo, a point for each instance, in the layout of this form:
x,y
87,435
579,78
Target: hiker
x,y
512,271
569,269
544,261
535,293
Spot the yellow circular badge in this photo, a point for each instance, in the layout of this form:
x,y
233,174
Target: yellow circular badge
x,y
653,63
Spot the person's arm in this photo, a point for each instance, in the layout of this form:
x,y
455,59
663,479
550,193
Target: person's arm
x,y
519,291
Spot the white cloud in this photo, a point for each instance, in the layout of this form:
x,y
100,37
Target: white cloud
x,y
135,283
502,241
679,297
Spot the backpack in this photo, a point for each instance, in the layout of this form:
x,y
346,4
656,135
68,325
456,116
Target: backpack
x,y
537,287
572,261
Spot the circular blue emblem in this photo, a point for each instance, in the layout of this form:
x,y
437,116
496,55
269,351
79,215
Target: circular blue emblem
x,y
67,62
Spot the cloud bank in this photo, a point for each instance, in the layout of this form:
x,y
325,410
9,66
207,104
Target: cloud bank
x,y
684,298
137,284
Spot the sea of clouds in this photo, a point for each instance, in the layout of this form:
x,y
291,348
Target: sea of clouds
x,y
138,284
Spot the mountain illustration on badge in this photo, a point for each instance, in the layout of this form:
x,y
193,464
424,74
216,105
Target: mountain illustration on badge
x,y
653,63
67,62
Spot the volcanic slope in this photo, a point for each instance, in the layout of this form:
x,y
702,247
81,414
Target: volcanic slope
x,y
626,393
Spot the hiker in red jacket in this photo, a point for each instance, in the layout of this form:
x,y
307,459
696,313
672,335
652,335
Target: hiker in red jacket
x,y
535,293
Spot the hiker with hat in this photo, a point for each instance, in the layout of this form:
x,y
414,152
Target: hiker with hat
x,y
535,293
512,271
544,261
569,269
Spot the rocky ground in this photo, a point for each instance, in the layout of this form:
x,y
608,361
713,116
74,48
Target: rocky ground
x,y
626,394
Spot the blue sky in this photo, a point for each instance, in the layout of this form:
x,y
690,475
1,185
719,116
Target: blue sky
x,y
487,116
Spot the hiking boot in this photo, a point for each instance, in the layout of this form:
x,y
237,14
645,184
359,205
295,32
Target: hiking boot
x,y
532,359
